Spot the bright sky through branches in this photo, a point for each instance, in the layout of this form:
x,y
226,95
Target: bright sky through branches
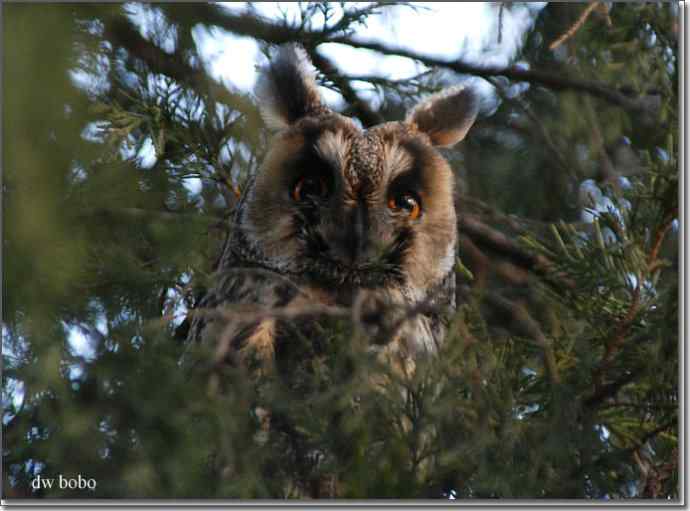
x,y
467,30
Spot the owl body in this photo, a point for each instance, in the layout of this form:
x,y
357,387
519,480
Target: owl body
x,y
344,217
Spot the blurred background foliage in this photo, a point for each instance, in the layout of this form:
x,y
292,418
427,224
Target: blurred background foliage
x,y
122,160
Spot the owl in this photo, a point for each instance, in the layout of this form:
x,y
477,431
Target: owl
x,y
340,217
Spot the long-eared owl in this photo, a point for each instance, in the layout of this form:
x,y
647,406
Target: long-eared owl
x,y
337,214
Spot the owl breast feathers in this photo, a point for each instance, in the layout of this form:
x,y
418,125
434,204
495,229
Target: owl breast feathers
x,y
338,214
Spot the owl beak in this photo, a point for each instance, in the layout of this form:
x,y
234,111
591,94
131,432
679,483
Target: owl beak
x,y
353,243
360,230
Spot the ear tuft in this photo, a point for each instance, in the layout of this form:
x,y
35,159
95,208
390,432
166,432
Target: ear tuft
x,y
287,89
446,116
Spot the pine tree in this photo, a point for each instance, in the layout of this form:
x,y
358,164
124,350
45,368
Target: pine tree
x,y
560,378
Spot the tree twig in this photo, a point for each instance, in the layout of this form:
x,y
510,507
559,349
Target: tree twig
x,y
575,26
660,235
251,25
360,108
553,81
122,33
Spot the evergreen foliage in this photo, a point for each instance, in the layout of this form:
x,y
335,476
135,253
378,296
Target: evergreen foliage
x,y
560,378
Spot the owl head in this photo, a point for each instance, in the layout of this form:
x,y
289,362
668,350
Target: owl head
x,y
341,208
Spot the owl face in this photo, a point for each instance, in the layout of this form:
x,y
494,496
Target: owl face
x,y
343,208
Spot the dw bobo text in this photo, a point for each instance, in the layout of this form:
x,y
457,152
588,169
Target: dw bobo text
x,y
64,483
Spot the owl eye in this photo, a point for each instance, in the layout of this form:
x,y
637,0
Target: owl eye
x,y
407,202
314,186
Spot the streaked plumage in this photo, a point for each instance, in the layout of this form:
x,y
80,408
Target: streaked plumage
x,y
336,213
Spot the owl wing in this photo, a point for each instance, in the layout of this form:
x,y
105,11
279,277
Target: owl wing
x,y
233,317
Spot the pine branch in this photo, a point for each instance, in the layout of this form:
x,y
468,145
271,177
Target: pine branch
x,y
620,334
122,33
359,15
650,435
608,172
546,79
248,24
659,236
479,239
525,325
360,108
575,27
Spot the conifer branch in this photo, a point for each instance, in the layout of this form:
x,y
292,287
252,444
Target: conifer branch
x,y
251,25
575,26
122,33
360,108
546,79
659,236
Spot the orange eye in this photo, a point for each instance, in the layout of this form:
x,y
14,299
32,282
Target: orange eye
x,y
314,186
407,202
